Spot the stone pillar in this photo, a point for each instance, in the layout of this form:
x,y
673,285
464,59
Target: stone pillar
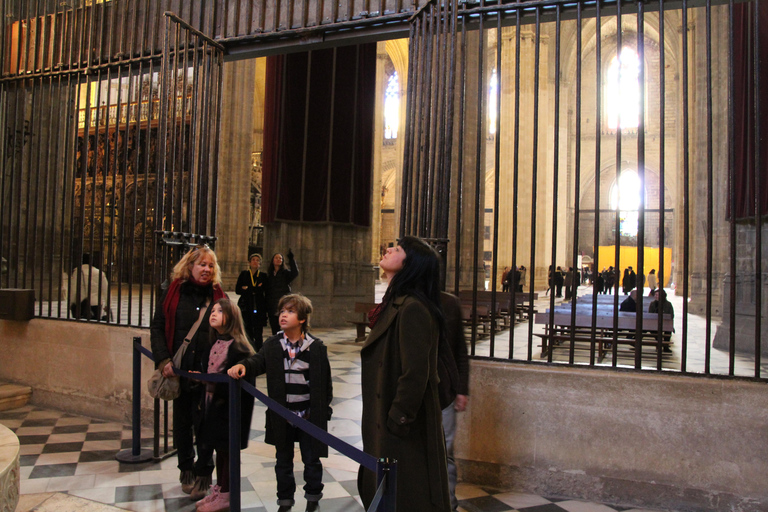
x,y
235,148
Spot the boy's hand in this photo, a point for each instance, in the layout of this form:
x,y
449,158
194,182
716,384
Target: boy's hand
x,y
237,371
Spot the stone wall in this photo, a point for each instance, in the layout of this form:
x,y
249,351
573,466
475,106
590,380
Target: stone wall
x,y
79,367
637,439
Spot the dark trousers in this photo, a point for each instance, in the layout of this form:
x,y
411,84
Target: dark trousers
x,y
313,468
274,323
254,328
184,434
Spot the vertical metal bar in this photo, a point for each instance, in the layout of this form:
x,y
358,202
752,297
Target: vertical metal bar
x,y
149,212
516,202
234,444
135,143
263,16
617,210
577,272
555,164
758,53
640,275
410,128
535,174
216,122
460,157
662,168
162,131
447,151
731,188
710,183
497,182
687,193
479,208
598,145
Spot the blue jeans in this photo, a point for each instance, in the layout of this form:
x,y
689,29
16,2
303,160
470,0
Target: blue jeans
x,y
449,430
313,468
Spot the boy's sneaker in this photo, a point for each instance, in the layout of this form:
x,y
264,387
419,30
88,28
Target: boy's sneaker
x,y
215,489
202,483
313,506
220,503
187,479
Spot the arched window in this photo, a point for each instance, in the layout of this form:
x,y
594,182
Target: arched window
x,y
392,107
622,91
625,197
493,87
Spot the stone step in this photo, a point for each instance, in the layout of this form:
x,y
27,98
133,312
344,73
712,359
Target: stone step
x,y
13,396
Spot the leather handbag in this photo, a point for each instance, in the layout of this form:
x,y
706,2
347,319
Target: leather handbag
x,y
169,388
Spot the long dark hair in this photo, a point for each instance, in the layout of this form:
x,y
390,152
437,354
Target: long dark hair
x,y
233,325
419,277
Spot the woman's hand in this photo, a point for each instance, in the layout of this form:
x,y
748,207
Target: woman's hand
x,y
168,370
237,371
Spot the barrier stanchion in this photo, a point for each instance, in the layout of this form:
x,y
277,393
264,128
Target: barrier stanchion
x,y
136,454
234,445
386,491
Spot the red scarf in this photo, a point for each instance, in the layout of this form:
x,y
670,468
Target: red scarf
x,y
172,302
373,314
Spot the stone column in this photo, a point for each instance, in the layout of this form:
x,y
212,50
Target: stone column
x,y
235,168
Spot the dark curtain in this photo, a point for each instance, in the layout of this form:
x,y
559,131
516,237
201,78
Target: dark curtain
x,y
744,110
318,136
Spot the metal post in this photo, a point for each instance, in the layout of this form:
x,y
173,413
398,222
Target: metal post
x,y
387,468
136,454
234,445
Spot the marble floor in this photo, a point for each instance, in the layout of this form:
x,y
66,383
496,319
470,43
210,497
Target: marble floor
x,y
74,456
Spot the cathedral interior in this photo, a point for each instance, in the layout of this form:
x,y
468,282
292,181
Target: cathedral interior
x,y
592,135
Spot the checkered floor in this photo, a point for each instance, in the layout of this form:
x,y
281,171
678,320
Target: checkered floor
x,y
62,453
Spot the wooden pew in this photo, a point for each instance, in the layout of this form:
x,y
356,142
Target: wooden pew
x,y
581,330
362,308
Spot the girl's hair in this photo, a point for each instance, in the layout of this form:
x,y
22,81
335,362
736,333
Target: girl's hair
x,y
182,269
653,271
272,263
419,277
233,325
301,304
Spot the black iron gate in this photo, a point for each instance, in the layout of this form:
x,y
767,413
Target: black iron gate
x,y
111,119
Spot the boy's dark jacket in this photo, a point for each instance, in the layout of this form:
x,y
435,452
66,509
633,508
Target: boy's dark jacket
x,y
270,360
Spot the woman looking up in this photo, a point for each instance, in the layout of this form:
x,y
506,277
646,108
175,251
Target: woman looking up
x,y
186,303
280,277
402,418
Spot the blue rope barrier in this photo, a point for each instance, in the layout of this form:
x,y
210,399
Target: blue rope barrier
x,y
359,456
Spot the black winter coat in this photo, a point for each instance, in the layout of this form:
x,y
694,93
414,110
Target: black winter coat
x,y
214,426
270,360
280,284
192,297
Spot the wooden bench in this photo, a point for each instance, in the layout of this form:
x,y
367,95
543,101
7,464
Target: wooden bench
x,y
564,330
502,307
362,308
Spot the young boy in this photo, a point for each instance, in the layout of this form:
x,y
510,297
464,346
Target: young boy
x,y
298,377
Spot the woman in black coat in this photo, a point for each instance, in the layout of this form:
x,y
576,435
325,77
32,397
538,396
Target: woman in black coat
x,y
195,286
251,287
280,277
